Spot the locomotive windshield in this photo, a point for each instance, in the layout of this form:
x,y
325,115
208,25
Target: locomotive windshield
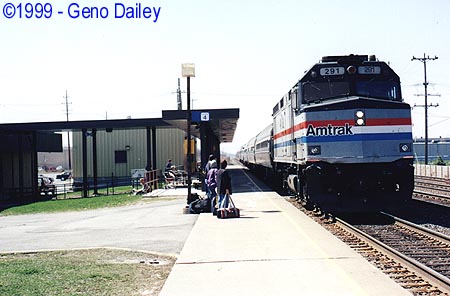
x,y
387,90
331,80
314,91
319,91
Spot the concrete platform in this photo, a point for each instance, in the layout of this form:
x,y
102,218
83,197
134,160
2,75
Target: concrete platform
x,y
180,191
273,249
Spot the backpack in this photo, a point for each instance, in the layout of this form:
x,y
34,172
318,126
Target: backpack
x,y
200,206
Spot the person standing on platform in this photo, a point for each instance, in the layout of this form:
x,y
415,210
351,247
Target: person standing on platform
x,y
223,185
211,184
205,172
208,164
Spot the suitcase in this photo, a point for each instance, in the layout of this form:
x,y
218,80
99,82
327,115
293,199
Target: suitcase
x,y
230,212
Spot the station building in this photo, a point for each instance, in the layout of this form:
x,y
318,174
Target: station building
x,y
437,148
121,151
107,147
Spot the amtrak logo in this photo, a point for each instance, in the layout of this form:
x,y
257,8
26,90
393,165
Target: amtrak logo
x,y
329,130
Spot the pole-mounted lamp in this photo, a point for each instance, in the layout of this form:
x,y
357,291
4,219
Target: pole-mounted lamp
x,y
188,71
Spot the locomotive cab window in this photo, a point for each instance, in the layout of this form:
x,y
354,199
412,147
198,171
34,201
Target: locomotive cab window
x,y
387,90
316,91
340,77
382,89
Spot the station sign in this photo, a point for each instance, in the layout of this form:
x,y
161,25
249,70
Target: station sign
x,y
198,116
204,116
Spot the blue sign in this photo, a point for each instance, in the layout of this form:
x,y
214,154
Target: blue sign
x,y
198,116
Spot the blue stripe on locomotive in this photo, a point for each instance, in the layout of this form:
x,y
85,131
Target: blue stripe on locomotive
x,y
358,137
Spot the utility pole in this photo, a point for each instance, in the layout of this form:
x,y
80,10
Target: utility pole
x,y
424,61
68,132
179,92
179,103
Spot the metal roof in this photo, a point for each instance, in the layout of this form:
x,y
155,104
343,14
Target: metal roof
x,y
222,122
60,126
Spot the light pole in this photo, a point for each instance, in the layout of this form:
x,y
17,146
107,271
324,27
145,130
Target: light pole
x,y
188,71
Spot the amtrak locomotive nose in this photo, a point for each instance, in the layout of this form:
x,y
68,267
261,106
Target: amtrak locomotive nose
x,y
341,138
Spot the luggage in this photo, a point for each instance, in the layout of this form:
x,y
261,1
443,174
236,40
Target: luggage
x,y
200,206
193,197
230,212
225,213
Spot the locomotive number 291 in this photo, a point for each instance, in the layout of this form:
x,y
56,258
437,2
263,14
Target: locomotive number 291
x,y
332,71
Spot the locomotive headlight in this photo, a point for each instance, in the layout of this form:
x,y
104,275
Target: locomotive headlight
x,y
314,150
405,147
351,69
360,118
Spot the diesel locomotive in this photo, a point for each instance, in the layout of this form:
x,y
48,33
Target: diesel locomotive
x,y
341,137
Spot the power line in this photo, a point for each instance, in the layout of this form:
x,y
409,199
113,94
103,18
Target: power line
x,y
439,122
424,60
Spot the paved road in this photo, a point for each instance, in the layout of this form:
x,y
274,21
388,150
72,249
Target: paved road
x,y
158,226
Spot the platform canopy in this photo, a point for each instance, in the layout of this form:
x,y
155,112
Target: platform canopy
x,y
61,126
221,122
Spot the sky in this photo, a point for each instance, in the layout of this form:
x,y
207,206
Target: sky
x,y
247,55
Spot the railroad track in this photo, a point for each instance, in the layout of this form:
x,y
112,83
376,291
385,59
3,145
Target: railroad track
x,y
433,190
400,250
445,190
435,184
438,182
431,197
421,250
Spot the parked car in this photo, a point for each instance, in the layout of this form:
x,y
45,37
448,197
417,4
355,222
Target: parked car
x,y
46,186
64,176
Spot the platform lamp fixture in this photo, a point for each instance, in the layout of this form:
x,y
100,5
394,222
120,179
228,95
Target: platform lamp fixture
x,y
188,71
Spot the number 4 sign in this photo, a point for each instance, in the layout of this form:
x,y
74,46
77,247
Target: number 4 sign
x,y
204,116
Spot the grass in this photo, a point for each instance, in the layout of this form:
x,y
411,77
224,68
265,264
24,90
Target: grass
x,y
73,204
83,272
103,191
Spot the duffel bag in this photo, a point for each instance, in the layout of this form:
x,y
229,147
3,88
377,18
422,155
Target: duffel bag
x,y
200,206
225,213
230,212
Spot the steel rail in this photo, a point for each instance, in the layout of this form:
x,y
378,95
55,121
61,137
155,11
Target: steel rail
x,y
423,230
433,277
433,198
431,193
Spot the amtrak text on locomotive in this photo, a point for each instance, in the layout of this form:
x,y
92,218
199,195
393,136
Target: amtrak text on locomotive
x,y
329,130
